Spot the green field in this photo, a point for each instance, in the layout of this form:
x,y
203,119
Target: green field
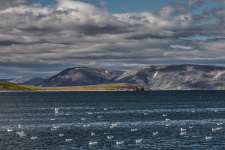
x,y
6,86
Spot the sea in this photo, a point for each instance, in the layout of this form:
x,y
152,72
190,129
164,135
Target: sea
x,y
103,120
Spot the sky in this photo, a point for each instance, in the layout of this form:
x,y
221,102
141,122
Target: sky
x,y
43,37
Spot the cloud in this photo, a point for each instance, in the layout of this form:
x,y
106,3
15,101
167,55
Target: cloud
x,y
219,1
195,3
43,39
181,47
12,3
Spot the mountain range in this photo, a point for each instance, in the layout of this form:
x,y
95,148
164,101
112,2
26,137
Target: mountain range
x,y
176,77
33,80
155,77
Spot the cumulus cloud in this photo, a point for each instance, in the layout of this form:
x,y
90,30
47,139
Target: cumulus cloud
x,y
43,39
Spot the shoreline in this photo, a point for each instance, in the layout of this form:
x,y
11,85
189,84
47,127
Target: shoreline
x,y
66,91
2,91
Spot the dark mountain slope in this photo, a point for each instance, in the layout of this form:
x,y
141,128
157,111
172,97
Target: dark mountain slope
x,y
80,76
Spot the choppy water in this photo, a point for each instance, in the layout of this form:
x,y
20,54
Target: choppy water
x,y
85,117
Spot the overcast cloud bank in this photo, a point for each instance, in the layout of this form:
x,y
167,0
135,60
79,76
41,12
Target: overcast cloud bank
x,y
44,40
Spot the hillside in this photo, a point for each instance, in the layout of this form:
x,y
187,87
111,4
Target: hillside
x,y
33,80
6,86
81,76
5,80
176,77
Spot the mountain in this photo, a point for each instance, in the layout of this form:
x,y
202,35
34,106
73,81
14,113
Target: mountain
x,y
81,76
33,80
176,77
155,77
5,80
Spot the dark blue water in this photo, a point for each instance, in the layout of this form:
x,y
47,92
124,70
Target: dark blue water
x,y
200,114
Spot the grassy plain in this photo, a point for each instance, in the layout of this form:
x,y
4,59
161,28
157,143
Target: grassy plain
x,y
6,86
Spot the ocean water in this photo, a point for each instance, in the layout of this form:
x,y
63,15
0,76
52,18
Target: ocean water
x,y
112,120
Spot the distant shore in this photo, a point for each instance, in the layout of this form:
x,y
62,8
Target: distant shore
x,y
10,87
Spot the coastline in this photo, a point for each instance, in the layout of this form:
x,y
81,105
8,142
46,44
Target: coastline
x,y
11,87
